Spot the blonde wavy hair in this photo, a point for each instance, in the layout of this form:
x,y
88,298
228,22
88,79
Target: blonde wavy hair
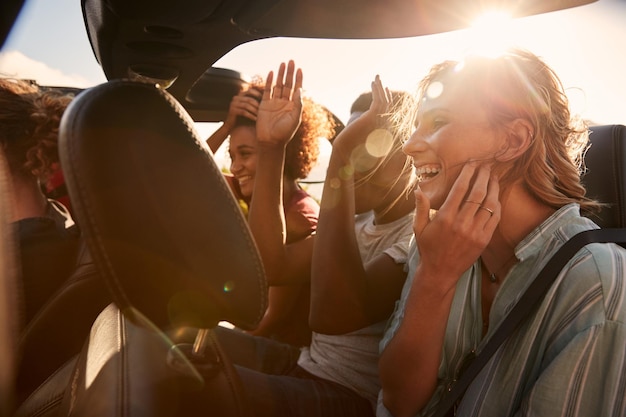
x,y
519,84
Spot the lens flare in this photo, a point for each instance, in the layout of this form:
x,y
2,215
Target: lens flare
x,y
379,142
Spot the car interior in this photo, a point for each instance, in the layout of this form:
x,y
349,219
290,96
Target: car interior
x,y
150,199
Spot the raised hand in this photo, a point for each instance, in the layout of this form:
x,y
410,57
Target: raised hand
x,y
369,128
280,110
246,104
381,102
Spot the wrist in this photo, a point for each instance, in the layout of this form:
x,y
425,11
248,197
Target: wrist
x,y
340,166
434,282
269,145
271,153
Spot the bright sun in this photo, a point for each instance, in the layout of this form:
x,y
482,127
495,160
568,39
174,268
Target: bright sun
x,y
491,33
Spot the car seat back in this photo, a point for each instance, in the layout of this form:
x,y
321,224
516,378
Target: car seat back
x,y
605,176
160,221
171,242
58,330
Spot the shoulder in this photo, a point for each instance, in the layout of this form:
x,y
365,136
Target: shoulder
x,y
301,204
301,214
599,271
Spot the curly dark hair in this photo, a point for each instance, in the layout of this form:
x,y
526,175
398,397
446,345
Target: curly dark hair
x,y
29,120
303,149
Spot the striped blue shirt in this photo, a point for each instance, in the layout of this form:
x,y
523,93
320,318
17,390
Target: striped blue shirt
x,y
567,359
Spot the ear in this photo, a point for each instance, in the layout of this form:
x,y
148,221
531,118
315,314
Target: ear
x,y
520,134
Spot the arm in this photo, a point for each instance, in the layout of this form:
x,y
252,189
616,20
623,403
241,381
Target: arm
x,y
345,295
282,300
278,119
243,104
448,245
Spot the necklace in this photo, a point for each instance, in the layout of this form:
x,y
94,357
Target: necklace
x,y
494,276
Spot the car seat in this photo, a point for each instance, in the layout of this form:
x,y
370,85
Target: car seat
x,y
605,175
171,243
58,330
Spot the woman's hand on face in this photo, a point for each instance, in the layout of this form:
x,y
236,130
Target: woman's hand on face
x,y
246,104
280,110
457,235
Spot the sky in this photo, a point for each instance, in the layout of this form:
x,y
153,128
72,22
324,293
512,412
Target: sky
x,y
585,45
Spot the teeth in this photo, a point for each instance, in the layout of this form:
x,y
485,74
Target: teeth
x,y
425,172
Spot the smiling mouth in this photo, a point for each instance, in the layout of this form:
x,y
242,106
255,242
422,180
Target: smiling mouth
x,y
426,172
244,178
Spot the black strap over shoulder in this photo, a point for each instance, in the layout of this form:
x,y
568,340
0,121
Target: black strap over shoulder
x,y
531,297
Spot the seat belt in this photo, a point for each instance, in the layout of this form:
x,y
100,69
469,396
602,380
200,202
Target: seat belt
x,y
531,298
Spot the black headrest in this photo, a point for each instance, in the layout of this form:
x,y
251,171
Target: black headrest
x,y
161,223
605,178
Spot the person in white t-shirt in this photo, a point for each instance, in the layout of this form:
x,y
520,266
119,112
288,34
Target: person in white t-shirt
x,y
366,222
348,311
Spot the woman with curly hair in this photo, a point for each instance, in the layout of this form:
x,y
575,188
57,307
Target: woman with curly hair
x,y
48,239
285,248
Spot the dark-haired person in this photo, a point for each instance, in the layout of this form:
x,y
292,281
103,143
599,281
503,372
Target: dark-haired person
x,y
285,247
365,222
48,238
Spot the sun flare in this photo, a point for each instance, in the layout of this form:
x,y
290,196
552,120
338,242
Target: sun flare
x,y
491,33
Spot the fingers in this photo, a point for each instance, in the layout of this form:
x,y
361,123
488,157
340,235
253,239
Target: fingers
x,y
245,104
267,91
288,82
278,88
422,211
380,97
297,94
458,192
482,202
475,196
251,92
492,203
287,86
377,87
478,190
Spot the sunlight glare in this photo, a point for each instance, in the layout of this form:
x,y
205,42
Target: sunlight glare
x,y
491,33
379,142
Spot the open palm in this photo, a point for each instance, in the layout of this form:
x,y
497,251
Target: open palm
x,y
280,111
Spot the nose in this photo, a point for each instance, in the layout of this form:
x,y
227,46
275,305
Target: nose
x,y
415,144
235,165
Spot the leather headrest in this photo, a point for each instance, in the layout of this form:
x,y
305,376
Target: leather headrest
x,y
605,178
157,213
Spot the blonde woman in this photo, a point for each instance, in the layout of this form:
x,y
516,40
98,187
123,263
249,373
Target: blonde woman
x,y
496,152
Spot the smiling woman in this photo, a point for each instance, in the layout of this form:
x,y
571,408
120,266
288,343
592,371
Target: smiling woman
x,y
70,43
503,154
